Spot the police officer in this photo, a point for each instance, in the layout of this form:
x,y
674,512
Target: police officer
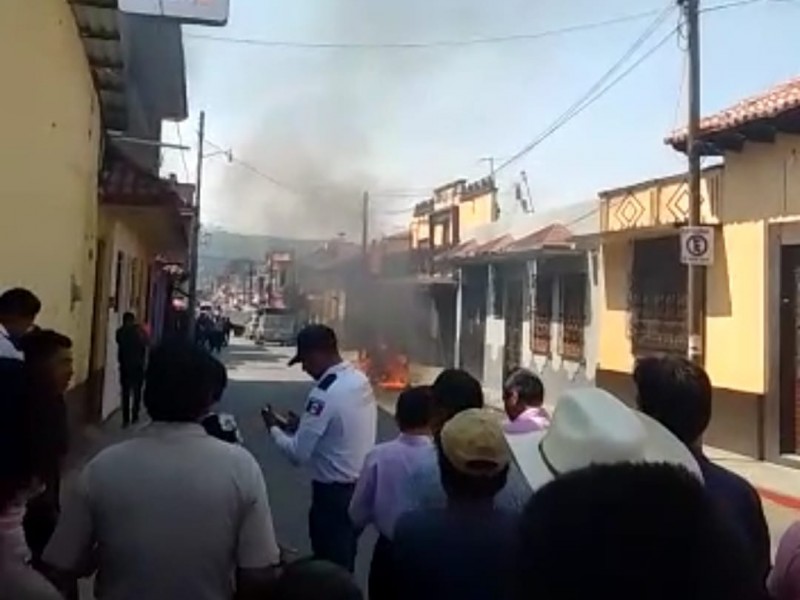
x,y
333,436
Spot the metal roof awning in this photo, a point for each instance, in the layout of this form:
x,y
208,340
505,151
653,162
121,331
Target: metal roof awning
x,y
98,26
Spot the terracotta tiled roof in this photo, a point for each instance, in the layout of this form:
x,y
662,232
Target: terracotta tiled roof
x,y
551,235
463,250
494,246
767,105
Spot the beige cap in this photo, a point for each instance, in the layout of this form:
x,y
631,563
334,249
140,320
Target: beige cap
x,y
474,444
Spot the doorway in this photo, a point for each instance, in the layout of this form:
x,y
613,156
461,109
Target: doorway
x,y
789,350
473,321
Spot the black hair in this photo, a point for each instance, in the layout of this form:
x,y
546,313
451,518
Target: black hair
x,y
454,391
310,579
675,392
413,409
19,302
463,486
652,533
528,386
40,345
24,450
180,383
219,377
128,318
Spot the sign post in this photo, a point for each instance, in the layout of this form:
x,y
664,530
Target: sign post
x,y
697,246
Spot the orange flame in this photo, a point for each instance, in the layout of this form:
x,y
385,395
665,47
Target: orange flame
x,y
393,375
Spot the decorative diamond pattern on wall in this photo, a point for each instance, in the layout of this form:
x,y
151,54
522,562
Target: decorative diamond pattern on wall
x,y
629,211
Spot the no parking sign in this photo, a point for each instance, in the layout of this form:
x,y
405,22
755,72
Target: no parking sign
x,y
697,246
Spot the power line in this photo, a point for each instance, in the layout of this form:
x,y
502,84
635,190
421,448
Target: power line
x,y
597,89
489,40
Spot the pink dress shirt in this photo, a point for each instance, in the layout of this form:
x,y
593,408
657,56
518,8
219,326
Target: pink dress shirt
x,y
532,419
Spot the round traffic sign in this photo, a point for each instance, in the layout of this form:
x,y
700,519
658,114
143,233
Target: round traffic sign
x,y
696,245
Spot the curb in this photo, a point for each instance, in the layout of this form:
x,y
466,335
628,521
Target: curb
x,y
784,500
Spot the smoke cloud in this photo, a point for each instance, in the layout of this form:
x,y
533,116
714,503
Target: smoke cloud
x,y
325,131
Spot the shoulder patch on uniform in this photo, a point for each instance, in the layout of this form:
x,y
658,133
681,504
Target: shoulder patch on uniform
x,y
315,406
326,382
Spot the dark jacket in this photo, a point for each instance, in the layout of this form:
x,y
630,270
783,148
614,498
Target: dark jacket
x,y
131,349
740,504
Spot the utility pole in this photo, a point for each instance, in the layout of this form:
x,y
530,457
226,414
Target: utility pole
x,y
696,273
194,248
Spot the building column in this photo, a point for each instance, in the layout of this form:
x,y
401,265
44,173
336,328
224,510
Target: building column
x,y
491,282
459,318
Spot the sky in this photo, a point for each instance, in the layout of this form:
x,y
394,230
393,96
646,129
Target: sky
x,y
329,123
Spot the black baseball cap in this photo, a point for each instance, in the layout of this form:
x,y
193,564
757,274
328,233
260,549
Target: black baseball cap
x,y
312,338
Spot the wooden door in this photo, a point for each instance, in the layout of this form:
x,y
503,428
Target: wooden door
x,y
473,322
790,350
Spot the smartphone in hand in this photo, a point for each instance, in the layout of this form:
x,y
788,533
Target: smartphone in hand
x,y
273,419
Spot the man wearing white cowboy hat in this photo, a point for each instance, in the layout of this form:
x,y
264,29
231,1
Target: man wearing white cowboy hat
x,y
591,426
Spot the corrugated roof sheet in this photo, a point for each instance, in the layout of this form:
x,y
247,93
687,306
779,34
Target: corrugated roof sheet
x,y
772,103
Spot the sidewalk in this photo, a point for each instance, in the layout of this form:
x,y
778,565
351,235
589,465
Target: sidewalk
x,y
775,483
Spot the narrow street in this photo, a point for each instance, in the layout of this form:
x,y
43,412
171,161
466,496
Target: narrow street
x,y
258,376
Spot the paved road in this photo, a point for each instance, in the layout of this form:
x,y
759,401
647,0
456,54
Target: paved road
x,y
259,376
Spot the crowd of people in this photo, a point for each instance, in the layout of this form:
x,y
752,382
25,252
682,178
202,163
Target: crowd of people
x,y
592,499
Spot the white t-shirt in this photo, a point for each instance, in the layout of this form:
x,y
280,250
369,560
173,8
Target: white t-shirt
x,y
171,513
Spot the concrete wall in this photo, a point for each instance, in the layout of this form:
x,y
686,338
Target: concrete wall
x,y
50,126
475,212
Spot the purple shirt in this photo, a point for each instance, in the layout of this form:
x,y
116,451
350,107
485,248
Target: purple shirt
x,y
531,419
380,488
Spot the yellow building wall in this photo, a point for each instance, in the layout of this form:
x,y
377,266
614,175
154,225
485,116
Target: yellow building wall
x,y
475,211
735,312
762,181
614,348
48,166
419,231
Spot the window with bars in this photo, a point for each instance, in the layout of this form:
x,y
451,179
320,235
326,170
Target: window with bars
x,y
657,301
573,315
542,317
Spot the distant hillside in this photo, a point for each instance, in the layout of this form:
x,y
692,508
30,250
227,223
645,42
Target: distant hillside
x,y
220,247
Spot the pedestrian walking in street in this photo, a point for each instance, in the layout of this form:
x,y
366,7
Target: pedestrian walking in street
x,y
523,400
378,496
677,392
645,531
333,436
464,550
454,391
172,513
315,580
24,461
48,365
18,311
131,354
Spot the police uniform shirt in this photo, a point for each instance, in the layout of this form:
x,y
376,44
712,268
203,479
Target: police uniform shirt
x,y
337,428
7,347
